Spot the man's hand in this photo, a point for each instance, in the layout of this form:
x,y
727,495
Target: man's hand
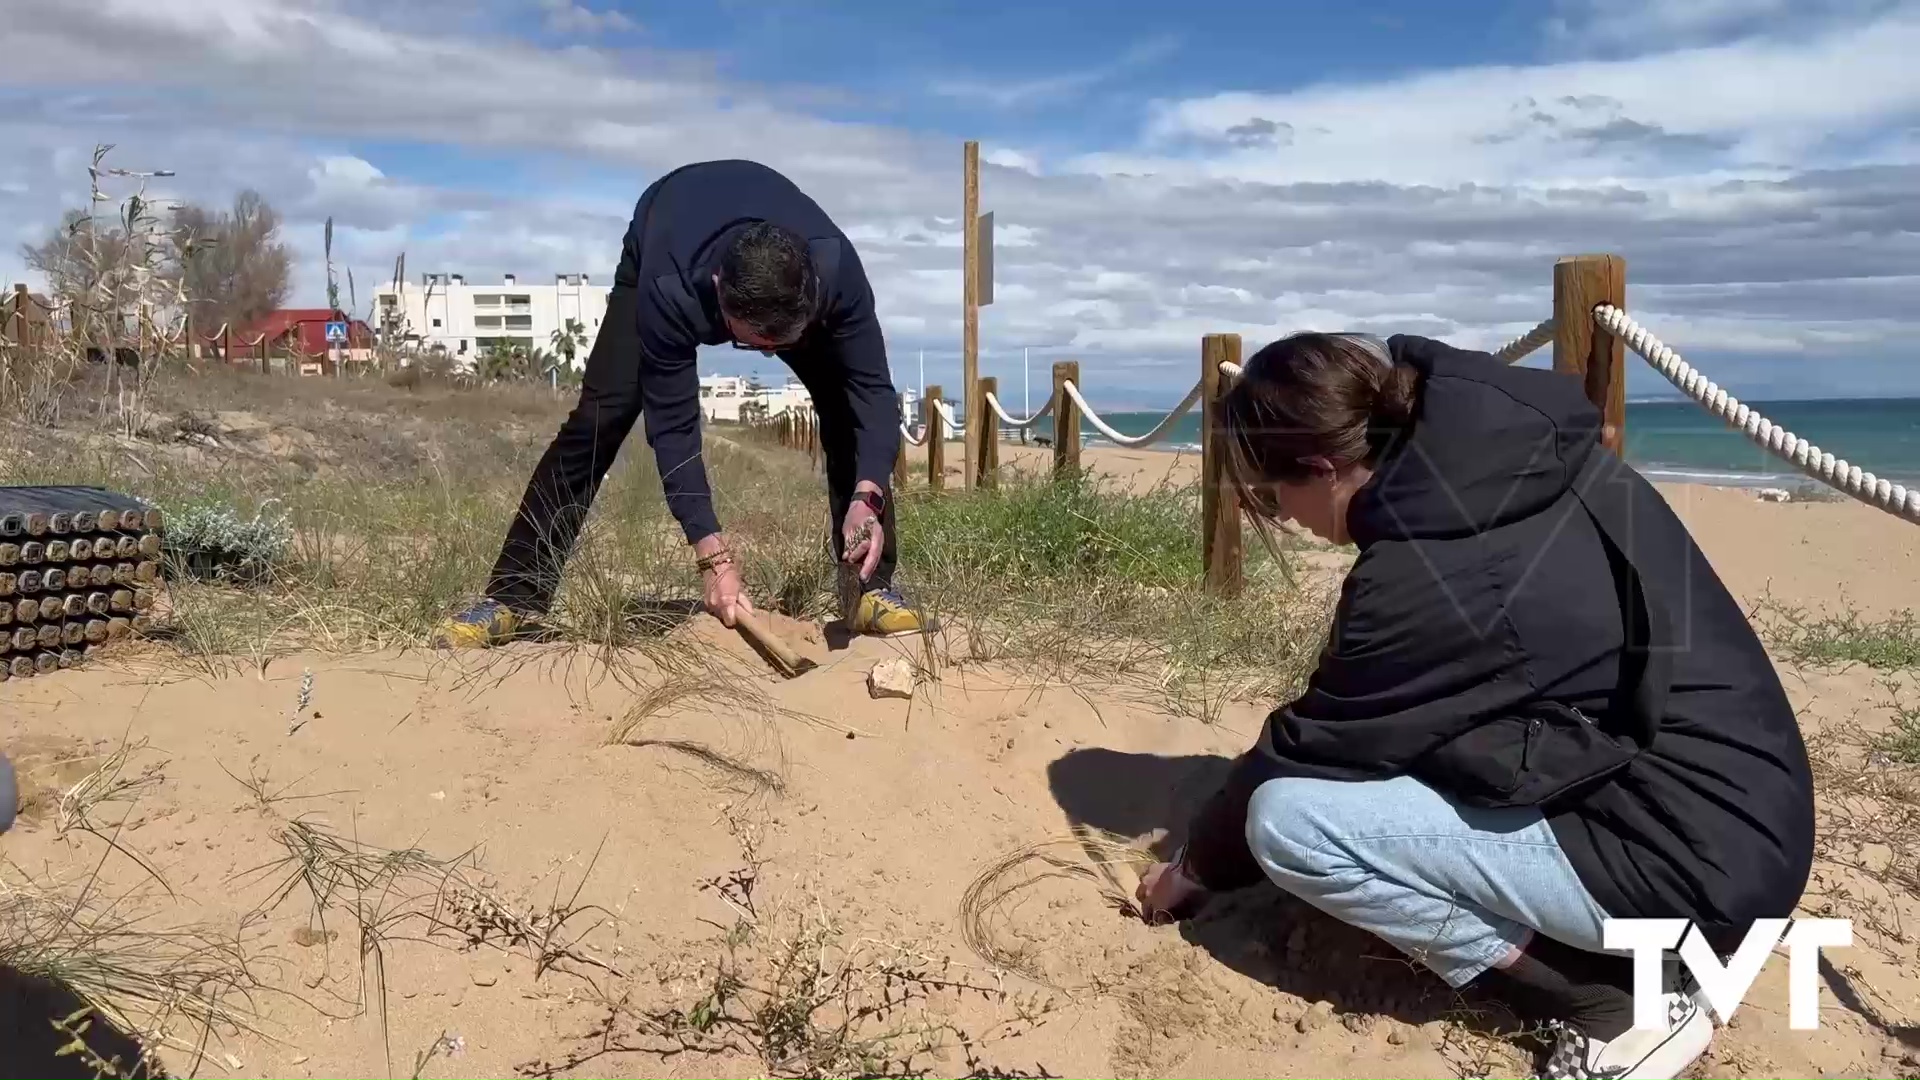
x,y
726,595
1166,894
862,534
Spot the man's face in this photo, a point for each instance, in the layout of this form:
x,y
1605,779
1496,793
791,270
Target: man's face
x,y
744,337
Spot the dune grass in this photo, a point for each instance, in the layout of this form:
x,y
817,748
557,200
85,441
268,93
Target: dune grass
x,y
395,500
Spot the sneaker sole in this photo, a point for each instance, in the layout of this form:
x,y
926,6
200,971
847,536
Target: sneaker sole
x,y
1677,1052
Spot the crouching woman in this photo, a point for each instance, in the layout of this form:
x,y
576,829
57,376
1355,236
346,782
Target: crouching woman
x,y
1539,708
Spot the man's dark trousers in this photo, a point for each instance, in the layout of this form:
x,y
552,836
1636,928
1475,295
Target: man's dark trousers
x,y
548,523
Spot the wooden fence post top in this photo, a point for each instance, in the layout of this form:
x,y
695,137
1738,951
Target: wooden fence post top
x,y
1222,550
1582,349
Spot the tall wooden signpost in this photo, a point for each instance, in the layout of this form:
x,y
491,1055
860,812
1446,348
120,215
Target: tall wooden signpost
x,y
977,271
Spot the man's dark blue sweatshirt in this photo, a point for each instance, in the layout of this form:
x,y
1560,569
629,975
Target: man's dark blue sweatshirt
x,y
681,227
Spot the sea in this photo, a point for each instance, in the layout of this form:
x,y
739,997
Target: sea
x,y
1678,441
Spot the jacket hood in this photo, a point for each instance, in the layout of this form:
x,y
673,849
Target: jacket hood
x,y
1489,444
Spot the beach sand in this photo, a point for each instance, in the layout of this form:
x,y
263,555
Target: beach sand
x,y
1829,555
739,819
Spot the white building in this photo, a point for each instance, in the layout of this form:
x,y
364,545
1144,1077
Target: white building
x,y
465,319
722,396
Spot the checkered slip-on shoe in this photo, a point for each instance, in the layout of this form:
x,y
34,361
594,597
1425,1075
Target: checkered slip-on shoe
x,y
1659,1054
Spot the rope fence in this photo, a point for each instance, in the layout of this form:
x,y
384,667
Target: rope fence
x,y
1590,332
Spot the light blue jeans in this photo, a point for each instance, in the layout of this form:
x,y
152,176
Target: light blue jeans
x,y
1454,887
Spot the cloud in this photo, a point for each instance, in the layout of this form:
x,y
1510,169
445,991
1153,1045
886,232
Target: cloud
x,y
1652,26
1021,93
1758,107
567,17
1763,205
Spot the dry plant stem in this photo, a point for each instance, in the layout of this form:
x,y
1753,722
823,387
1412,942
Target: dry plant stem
x,y
167,986
407,894
997,888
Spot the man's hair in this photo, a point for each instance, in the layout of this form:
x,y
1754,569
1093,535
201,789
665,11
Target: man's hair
x,y
766,281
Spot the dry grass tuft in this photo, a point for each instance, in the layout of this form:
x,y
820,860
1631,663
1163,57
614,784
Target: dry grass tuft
x,y
994,895
795,995
164,987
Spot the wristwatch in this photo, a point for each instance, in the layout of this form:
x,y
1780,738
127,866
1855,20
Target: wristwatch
x,y
874,500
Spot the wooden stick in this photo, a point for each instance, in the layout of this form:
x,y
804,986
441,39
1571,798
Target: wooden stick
x,y
789,662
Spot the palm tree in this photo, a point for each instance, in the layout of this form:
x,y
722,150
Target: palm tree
x,y
569,339
499,362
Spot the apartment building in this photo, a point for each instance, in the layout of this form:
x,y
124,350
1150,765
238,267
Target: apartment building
x,y
467,319
722,397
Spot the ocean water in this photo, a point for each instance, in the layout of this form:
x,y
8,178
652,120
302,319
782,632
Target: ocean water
x,y
1680,441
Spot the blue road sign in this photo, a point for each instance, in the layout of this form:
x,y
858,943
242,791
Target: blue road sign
x,y
336,332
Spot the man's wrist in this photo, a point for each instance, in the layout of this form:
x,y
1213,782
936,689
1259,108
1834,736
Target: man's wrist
x,y
711,553
875,496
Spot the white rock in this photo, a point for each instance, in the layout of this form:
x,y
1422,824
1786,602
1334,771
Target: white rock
x,y
891,678
1774,495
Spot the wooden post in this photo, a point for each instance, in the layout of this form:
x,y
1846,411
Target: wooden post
x,y
900,457
1221,545
987,464
1581,348
260,351
1066,419
813,436
936,442
970,329
21,297
226,343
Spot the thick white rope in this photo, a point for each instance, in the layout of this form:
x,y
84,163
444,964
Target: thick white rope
x,y
954,428
912,439
994,404
1519,347
1808,458
1159,429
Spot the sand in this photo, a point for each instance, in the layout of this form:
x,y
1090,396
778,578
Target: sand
x,y
737,813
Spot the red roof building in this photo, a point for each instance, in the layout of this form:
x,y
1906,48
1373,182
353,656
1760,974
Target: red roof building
x,y
310,330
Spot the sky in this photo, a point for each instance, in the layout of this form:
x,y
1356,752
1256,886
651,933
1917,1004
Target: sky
x,y
1156,172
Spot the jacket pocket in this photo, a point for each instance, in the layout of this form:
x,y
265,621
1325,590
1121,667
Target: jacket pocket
x,y
1533,756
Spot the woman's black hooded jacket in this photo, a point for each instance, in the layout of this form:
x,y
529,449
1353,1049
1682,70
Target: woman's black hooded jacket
x,y
1529,624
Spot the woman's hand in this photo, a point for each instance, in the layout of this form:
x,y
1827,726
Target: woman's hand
x,y
1166,894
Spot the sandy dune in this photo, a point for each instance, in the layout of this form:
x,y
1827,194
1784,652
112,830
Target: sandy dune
x,y
737,799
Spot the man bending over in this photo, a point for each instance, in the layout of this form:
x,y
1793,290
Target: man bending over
x,y
718,251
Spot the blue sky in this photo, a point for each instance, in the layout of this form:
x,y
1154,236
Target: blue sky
x,y
1157,171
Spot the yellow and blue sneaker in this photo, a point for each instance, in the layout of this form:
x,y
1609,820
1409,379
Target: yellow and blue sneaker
x,y
883,613
486,623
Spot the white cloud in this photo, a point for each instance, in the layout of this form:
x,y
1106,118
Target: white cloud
x,y
1712,112
1764,205
1659,25
567,17
1008,93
